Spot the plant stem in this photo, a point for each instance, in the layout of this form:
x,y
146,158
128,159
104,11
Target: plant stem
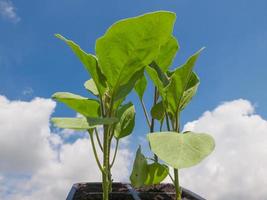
x,y
115,153
98,139
152,119
106,170
95,152
176,184
106,174
176,172
145,112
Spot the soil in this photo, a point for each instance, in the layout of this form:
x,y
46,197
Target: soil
x,y
93,191
120,191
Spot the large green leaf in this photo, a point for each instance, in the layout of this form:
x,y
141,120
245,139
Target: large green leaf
x,y
126,115
91,87
179,82
144,174
167,54
72,123
181,150
140,87
131,44
82,105
90,63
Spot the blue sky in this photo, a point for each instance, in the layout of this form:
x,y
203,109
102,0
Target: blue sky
x,y
33,63
233,65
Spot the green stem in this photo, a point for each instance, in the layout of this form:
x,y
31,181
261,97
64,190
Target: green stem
x,y
153,121
115,153
106,170
176,172
145,112
95,152
176,184
98,140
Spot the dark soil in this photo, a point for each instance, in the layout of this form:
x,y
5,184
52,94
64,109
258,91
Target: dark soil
x,y
120,191
93,191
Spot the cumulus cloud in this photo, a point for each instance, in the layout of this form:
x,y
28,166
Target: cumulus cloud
x,y
8,11
237,169
38,164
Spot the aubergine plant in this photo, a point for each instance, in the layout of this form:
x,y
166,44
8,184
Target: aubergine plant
x,y
177,149
121,56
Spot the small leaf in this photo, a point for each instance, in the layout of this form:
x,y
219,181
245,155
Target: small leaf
x,y
158,111
140,87
144,174
156,173
181,150
190,91
167,54
125,126
124,90
71,123
139,171
82,105
101,121
91,87
179,82
155,77
90,63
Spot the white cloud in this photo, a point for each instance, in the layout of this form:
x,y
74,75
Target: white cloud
x,y
8,11
237,169
38,164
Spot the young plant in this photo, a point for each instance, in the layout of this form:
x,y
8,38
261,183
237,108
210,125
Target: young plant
x,y
122,54
173,91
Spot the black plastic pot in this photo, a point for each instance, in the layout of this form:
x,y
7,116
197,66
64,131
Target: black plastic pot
x,y
124,191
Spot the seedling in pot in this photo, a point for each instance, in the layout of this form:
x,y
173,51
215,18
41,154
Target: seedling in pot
x,y
122,54
178,150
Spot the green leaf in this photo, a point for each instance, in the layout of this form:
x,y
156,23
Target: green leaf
x,y
181,150
139,171
140,87
156,173
72,123
190,91
156,78
131,44
125,89
91,87
101,121
90,63
82,105
179,82
144,174
167,54
125,126
158,111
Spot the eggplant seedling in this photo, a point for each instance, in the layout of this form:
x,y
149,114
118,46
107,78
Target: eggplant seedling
x,y
121,56
173,91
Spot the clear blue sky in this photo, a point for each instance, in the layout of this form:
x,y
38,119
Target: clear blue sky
x,y
234,64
